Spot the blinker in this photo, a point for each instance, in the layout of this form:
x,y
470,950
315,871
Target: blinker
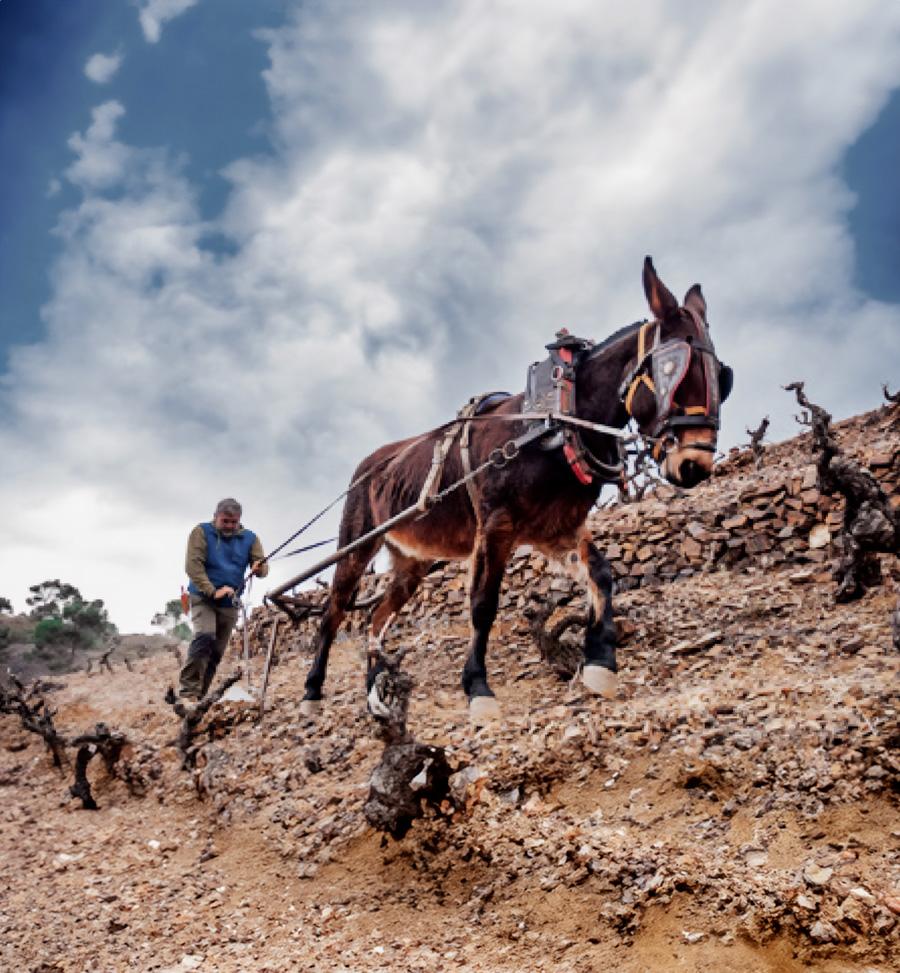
x,y
669,364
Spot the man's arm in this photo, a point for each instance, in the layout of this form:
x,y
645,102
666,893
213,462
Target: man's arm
x,y
195,561
259,567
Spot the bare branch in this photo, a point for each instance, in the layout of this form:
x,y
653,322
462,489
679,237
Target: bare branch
x,y
756,437
870,524
191,717
563,658
409,773
35,717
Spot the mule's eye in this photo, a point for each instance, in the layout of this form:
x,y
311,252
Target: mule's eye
x,y
726,381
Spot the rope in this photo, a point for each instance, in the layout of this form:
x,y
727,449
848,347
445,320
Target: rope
x,y
532,434
308,547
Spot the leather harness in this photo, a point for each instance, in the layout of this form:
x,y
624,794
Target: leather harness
x,y
462,428
550,403
550,388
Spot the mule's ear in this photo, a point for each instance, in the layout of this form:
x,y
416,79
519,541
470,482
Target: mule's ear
x,y
695,300
661,300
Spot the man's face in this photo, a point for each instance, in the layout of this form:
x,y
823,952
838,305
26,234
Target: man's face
x,y
227,523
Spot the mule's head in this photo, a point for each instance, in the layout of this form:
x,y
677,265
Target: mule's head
x,y
675,384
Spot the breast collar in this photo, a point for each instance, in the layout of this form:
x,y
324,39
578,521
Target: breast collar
x,y
550,387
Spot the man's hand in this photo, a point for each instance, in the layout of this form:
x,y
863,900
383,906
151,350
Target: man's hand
x,y
255,566
226,591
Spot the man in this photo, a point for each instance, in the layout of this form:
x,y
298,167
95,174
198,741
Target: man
x,y
218,555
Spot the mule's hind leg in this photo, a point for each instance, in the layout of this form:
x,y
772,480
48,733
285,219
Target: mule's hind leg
x,y
406,576
493,544
343,588
589,565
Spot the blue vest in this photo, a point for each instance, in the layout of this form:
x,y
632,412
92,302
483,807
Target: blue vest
x,y
227,558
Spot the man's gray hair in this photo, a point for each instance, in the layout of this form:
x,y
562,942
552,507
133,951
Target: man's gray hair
x,y
229,506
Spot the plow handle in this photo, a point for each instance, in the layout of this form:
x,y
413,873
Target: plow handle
x,y
408,514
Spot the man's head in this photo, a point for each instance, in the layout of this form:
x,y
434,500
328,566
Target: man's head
x,y
227,518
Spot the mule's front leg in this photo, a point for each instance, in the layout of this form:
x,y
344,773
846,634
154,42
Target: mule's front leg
x,y
343,587
315,678
599,674
406,576
492,547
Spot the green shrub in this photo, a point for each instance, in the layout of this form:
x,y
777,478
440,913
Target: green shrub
x,y
53,631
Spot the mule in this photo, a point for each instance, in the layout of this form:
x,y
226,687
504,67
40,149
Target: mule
x,y
662,373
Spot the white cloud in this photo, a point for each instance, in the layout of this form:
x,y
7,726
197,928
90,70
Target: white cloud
x,y
154,13
448,186
100,161
102,68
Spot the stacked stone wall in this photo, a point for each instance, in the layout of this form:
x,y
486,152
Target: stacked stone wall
x,y
772,518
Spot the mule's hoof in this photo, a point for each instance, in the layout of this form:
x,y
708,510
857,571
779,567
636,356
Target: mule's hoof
x,y
484,709
311,707
600,681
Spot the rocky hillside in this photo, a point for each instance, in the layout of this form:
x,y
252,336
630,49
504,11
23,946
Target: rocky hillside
x,y
736,807
21,656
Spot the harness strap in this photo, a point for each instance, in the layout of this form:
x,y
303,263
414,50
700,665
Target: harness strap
x,y
466,412
460,427
583,463
554,416
637,376
567,406
642,379
438,458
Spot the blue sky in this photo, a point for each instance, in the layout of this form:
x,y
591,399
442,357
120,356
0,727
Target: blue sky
x,y
242,244
870,168
44,47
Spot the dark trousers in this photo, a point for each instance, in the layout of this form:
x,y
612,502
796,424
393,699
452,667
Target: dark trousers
x,y
212,626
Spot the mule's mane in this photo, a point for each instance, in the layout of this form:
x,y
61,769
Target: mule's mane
x,y
616,336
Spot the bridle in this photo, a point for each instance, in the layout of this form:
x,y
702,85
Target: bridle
x,y
661,366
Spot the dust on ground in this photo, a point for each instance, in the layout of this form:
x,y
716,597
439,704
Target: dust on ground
x,y
736,807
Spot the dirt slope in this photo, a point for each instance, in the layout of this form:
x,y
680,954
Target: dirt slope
x,y
736,807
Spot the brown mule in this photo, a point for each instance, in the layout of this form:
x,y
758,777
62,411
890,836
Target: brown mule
x,y
664,374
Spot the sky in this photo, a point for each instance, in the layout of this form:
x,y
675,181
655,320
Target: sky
x,y
242,245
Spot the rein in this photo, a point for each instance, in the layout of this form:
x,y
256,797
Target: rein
x,y
552,384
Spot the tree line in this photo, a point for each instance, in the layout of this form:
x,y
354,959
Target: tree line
x,y
63,617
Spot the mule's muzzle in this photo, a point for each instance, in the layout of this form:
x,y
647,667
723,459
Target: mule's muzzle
x,y
688,464
691,473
